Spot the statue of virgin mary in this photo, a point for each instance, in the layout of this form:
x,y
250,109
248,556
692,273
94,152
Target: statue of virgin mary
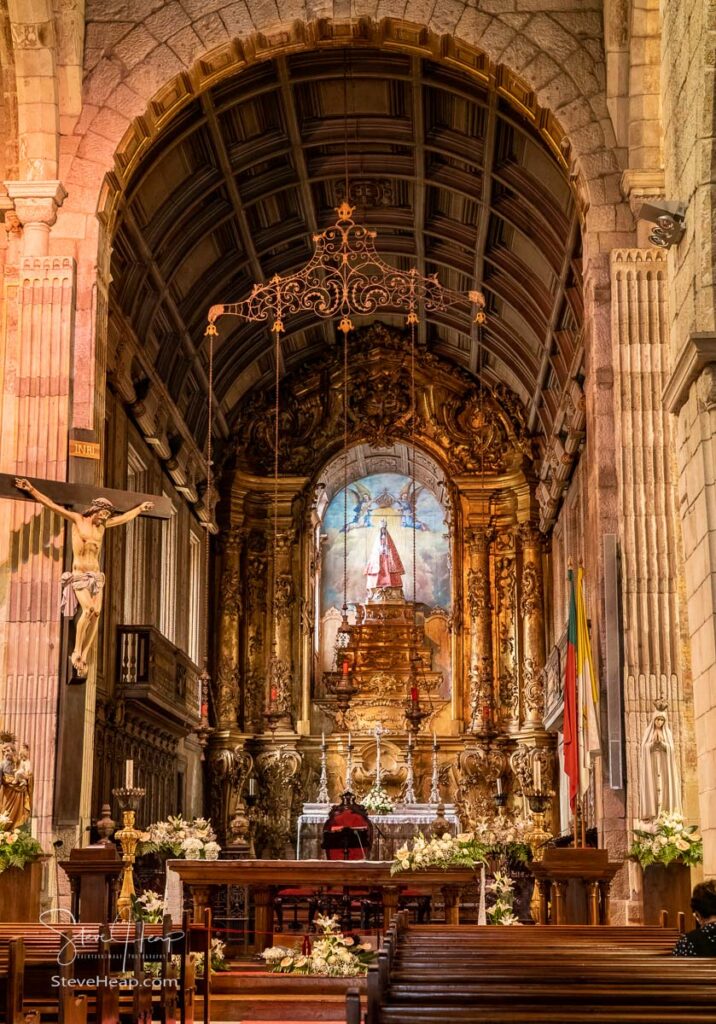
x,y
660,780
384,568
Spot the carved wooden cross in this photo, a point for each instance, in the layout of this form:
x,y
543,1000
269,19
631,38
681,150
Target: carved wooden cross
x,y
79,496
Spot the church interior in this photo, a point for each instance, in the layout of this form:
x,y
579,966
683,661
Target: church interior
x,y
381,339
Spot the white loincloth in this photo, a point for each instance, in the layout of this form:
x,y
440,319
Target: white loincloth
x,y
73,581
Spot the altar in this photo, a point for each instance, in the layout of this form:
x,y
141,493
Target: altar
x,y
390,831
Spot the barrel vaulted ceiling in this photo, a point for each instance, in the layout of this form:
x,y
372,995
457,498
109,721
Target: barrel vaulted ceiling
x,y
445,169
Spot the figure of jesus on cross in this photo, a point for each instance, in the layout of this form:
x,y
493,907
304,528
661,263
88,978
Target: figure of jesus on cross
x,y
84,585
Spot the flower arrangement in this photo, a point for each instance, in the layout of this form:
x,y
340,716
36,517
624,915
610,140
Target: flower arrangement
x,y
506,839
149,907
463,850
502,910
153,968
667,840
193,840
377,800
17,846
333,955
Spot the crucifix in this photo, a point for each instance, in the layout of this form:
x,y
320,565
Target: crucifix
x,y
83,586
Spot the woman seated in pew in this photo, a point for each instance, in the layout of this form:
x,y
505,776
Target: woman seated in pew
x,y
702,940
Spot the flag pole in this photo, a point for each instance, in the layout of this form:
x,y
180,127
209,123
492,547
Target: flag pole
x,y
577,798
580,710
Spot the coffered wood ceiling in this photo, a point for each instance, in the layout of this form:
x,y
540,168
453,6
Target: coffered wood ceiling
x,y
444,168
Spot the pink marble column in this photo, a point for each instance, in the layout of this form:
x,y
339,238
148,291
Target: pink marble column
x,y
36,394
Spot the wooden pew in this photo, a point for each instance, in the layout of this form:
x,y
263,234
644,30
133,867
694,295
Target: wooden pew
x,y
544,974
11,983
93,951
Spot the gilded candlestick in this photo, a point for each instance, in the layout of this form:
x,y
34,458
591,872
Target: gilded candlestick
x,y
128,837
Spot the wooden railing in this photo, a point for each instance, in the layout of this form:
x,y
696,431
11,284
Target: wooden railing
x,y
151,668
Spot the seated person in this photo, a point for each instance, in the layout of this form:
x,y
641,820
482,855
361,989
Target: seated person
x,y
348,832
702,940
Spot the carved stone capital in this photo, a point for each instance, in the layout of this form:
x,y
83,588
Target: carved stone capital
x,y
36,202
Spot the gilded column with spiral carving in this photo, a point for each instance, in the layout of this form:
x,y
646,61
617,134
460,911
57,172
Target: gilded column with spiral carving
x,y
228,669
482,699
280,682
532,615
506,591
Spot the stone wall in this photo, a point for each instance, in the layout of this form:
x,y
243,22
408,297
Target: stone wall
x,y
687,78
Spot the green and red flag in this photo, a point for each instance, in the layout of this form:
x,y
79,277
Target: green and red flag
x,y
571,721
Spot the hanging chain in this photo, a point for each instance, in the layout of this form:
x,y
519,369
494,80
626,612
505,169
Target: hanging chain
x,y
345,475
209,488
278,327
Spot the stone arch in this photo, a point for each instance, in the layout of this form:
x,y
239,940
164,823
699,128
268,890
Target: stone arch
x,y
155,63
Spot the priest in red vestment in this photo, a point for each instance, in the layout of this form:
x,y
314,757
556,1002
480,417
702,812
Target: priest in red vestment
x,y
384,567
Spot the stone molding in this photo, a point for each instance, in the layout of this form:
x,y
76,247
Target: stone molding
x,y
698,352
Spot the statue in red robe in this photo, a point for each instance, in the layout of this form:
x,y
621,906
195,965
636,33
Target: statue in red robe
x,y
384,567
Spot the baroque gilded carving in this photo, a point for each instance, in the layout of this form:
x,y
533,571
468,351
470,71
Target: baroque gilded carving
x,y
284,596
474,429
478,592
531,590
533,686
280,789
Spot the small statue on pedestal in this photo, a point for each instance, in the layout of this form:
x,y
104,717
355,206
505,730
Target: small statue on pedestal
x,y
16,782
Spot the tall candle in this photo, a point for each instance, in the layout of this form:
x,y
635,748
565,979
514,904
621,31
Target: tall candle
x,y
323,740
499,785
349,739
435,740
129,774
538,775
414,694
410,739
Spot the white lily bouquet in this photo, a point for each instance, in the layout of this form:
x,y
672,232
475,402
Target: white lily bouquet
x,y
377,800
193,840
502,910
149,907
463,850
333,955
667,840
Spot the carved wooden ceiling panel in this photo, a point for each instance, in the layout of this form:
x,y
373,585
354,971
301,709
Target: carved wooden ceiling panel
x,y
446,170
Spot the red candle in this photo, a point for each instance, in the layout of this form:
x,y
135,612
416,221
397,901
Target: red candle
x,y
274,694
414,694
204,711
486,711
345,668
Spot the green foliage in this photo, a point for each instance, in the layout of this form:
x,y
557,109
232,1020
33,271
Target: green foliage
x,y
17,846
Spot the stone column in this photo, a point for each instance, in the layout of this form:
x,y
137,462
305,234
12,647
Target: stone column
x,y
691,393
479,602
227,661
506,588
649,541
39,293
532,616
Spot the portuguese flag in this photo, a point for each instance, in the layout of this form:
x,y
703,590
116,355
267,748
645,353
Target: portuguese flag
x,y
571,724
581,694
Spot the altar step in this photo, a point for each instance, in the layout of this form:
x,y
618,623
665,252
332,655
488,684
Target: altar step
x,y
254,995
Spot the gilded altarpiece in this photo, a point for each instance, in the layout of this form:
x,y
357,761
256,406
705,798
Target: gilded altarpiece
x,y
486,694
